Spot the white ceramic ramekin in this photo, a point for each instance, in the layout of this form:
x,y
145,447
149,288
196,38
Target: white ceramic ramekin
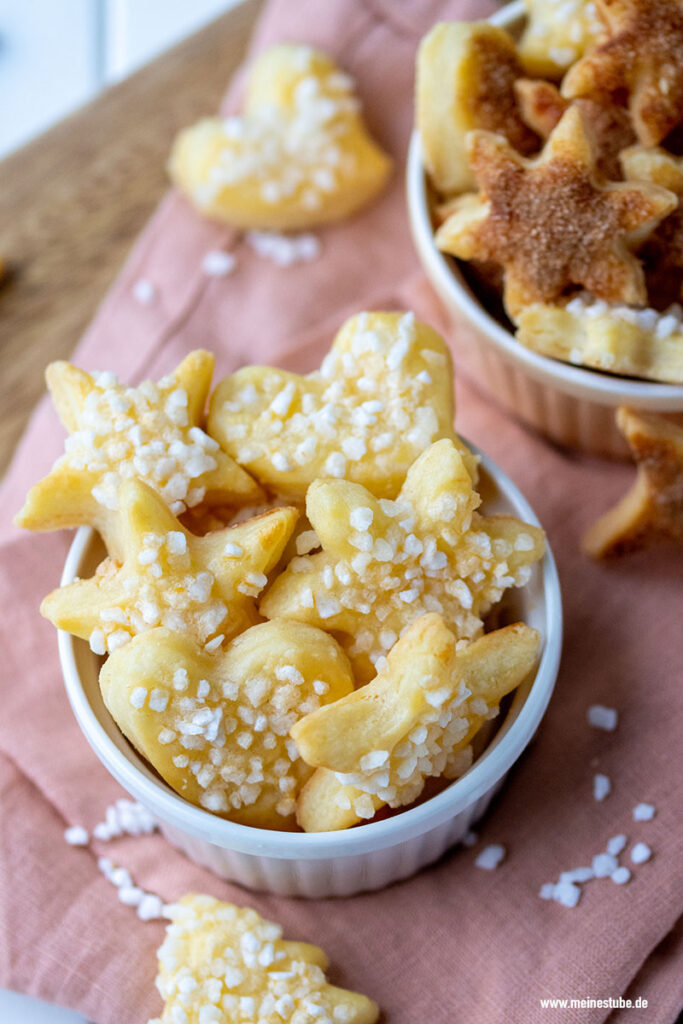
x,y
339,863
571,405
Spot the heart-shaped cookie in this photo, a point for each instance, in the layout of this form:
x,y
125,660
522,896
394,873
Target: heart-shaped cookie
x,y
383,394
299,156
216,727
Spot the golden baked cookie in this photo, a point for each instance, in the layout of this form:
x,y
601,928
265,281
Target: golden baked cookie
x,y
383,393
550,223
300,155
619,339
204,587
416,719
464,80
542,105
151,432
662,253
384,563
653,508
215,726
221,964
641,57
556,34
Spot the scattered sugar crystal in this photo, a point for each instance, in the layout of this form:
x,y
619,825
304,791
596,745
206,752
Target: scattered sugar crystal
x,y
176,542
601,787
601,717
306,542
566,893
335,464
640,853
604,864
144,291
217,263
616,845
158,699
490,857
621,875
76,835
374,759
361,518
150,908
284,250
233,550
643,812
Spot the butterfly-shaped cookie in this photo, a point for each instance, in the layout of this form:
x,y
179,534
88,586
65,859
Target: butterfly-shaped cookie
x,y
550,223
385,563
416,719
653,508
150,432
640,57
383,394
299,156
215,726
204,587
464,80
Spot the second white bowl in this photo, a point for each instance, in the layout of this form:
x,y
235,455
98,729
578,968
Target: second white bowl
x,y
571,405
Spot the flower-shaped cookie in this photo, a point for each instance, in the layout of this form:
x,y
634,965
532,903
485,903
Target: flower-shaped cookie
x,y
216,727
557,32
542,105
300,156
414,720
150,432
220,963
550,224
464,80
382,395
385,563
653,508
204,587
641,57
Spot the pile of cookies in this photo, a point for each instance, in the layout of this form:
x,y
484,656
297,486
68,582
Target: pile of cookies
x,y
293,600
557,169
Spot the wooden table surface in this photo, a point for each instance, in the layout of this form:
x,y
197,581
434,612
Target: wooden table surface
x,y
73,201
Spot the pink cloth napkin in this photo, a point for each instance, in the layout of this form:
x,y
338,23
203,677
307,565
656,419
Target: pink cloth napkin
x,y
455,942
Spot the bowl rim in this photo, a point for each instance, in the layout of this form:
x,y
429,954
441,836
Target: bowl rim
x,y
578,381
485,773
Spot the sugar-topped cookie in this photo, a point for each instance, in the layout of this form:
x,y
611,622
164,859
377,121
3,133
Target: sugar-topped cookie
x,y
385,563
416,719
299,156
215,726
383,394
204,587
150,432
220,963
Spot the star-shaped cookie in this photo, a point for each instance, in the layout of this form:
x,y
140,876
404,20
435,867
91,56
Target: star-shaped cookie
x,y
383,393
215,726
550,223
300,155
151,433
220,963
653,508
542,105
385,563
416,719
204,587
641,58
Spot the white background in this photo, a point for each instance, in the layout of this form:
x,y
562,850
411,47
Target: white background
x,y
55,55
